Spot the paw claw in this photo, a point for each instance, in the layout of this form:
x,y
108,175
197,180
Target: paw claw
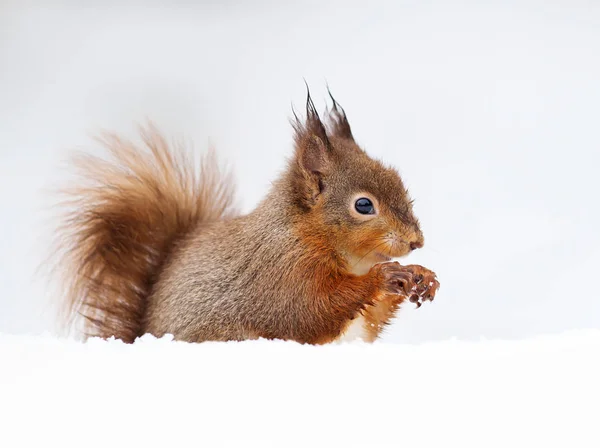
x,y
414,282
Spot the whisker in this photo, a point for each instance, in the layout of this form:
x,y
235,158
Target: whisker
x,y
428,247
369,252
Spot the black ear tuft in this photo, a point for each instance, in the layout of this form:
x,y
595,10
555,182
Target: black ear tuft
x,y
339,121
312,143
314,126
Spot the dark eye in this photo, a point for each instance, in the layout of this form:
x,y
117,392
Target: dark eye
x,y
364,206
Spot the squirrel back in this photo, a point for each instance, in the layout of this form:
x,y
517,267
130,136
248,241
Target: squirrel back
x,y
151,246
122,222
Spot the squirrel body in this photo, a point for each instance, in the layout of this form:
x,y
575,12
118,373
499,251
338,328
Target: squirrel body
x,y
151,246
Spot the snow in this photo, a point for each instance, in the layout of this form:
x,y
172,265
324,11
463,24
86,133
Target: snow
x,y
540,391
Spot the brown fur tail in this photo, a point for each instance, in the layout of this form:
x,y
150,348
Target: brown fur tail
x,y
122,222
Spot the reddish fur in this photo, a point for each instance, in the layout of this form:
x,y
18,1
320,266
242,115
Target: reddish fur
x,y
378,317
337,295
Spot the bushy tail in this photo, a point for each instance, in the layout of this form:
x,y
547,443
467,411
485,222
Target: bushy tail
x,y
121,223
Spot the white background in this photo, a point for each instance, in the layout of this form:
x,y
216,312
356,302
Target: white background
x,y
490,112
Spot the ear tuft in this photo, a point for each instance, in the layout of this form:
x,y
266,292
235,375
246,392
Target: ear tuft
x,y
339,121
312,143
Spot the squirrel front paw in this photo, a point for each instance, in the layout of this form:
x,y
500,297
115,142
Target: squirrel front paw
x,y
425,284
413,281
393,278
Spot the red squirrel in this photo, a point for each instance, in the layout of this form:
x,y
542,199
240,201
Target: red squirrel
x,y
151,244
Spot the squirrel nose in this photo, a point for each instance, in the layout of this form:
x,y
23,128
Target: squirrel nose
x,y
416,245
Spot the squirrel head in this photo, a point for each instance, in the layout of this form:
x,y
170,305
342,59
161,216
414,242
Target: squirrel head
x,y
353,200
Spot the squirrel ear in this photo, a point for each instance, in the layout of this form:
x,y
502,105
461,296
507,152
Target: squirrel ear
x,y
338,120
312,156
313,152
312,144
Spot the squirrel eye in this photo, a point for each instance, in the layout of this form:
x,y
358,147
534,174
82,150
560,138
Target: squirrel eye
x,y
364,206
